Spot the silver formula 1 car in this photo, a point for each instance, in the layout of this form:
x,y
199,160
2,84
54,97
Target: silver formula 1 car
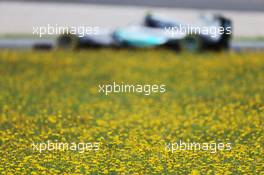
x,y
212,32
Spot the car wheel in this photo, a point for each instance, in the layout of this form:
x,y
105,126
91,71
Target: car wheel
x,y
191,43
68,41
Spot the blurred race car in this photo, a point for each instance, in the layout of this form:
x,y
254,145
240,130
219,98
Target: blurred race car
x,y
212,32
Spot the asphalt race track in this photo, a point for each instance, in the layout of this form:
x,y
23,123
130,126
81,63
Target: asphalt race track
x,y
251,7
50,43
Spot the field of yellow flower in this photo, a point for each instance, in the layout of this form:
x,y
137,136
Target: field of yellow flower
x,y
53,97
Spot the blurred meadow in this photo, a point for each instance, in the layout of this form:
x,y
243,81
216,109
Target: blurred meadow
x,y
54,96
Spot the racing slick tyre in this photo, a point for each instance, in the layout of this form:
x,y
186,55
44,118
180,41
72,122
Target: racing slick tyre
x,y
68,41
191,43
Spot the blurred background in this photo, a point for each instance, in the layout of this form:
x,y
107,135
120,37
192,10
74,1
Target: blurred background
x,y
18,17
